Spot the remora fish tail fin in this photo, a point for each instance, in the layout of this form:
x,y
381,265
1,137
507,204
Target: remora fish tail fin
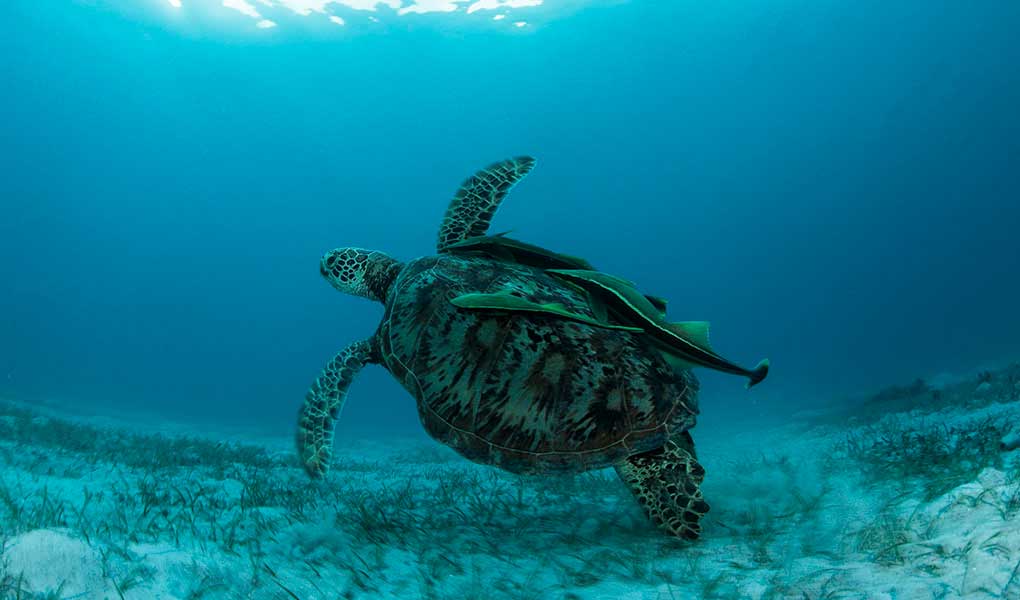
x,y
760,371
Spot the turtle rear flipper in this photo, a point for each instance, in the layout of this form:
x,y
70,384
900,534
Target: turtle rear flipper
x,y
666,482
323,404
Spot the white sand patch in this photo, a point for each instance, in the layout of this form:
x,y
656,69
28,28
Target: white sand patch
x,y
47,560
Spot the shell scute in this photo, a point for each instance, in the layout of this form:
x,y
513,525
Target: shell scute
x,y
526,392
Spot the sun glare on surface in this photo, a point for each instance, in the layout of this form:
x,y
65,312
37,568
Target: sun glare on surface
x,y
261,10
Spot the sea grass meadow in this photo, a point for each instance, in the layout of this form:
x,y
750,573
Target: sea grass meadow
x,y
834,185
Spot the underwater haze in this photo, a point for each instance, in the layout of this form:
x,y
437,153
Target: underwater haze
x,y
834,185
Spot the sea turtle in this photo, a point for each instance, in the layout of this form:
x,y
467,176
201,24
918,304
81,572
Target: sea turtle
x,y
522,358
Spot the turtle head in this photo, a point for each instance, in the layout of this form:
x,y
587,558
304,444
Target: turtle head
x,y
360,272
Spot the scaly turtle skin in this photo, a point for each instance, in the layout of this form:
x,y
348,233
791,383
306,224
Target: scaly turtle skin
x,y
513,366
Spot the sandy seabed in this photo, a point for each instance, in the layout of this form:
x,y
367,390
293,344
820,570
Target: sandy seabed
x,y
910,494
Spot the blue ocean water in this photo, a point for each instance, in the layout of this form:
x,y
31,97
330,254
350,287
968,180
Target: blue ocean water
x,y
834,185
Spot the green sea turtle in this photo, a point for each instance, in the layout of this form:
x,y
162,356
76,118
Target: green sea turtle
x,y
524,359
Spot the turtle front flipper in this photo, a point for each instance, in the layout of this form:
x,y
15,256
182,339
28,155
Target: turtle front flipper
x,y
472,209
323,404
666,482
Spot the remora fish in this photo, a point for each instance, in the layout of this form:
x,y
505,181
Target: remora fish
x,y
683,344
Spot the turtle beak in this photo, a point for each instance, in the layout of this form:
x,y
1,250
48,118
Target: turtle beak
x,y
326,263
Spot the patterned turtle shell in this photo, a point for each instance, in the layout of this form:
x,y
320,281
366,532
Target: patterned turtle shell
x,y
526,391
